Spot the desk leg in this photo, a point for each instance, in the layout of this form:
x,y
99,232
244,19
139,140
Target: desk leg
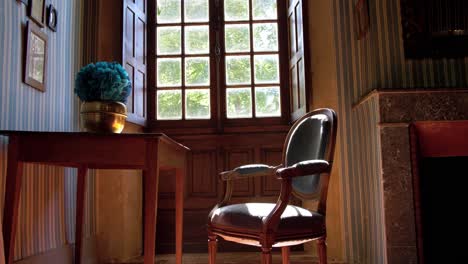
x,y
150,182
80,202
12,196
179,210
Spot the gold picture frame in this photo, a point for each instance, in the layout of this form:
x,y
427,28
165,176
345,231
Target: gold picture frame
x,y
35,70
37,11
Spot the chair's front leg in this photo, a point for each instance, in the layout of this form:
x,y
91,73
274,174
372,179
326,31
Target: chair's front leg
x,y
266,255
285,252
322,250
212,247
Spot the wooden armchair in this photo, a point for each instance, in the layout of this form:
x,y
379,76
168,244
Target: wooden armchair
x,y
307,161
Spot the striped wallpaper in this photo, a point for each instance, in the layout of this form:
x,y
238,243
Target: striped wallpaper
x,y
381,60
47,203
363,65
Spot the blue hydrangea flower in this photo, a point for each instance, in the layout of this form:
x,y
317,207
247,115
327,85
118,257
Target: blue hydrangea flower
x,y
103,81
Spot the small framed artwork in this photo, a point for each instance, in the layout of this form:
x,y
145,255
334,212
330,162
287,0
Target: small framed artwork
x,y
36,11
361,15
36,57
52,17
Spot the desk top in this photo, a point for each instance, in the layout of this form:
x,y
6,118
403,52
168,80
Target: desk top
x,y
94,150
47,134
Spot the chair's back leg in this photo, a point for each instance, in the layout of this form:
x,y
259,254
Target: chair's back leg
x,y
322,250
285,251
212,248
266,255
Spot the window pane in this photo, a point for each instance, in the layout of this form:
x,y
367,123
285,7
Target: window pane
x,y
196,10
168,40
169,72
264,9
237,38
197,40
197,71
266,69
265,37
235,10
168,11
170,105
197,104
267,102
238,70
239,102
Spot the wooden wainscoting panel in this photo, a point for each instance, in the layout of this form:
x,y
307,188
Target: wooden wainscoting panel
x,y
203,169
238,157
167,185
195,235
270,186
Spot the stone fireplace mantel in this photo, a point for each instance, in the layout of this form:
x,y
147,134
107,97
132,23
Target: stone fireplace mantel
x,y
397,110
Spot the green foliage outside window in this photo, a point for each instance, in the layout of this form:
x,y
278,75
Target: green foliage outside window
x,y
197,71
265,37
238,70
196,10
169,72
267,101
198,104
264,9
239,103
169,40
196,39
236,10
168,11
237,38
266,69
169,105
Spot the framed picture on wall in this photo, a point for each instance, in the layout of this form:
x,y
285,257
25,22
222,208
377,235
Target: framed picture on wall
x,y
52,17
35,65
37,11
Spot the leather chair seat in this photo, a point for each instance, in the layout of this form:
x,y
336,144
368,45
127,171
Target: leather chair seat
x,y
248,217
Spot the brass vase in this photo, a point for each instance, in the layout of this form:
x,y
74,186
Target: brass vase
x,y
103,116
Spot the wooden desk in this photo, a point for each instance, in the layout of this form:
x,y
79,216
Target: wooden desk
x,y
147,152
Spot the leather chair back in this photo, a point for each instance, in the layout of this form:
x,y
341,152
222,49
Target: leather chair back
x,y
309,139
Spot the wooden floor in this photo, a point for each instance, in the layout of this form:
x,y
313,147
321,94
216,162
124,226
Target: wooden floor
x,y
231,258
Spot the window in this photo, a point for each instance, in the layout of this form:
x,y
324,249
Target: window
x,y
252,59
219,61
183,60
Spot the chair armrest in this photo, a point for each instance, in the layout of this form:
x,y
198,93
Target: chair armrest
x,y
245,171
304,168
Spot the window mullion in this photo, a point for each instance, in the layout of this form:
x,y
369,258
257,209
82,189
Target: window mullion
x,y
252,62
217,27
183,60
